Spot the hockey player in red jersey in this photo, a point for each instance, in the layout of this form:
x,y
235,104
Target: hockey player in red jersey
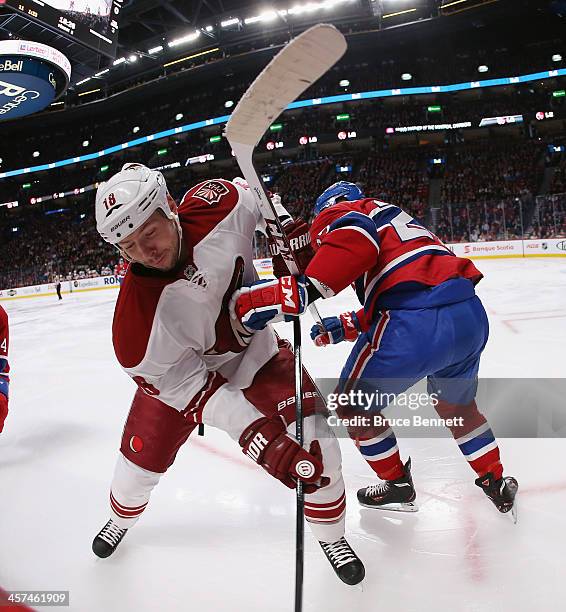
x,y
4,367
420,318
121,268
193,364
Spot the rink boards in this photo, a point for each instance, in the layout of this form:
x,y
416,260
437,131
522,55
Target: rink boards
x,y
503,249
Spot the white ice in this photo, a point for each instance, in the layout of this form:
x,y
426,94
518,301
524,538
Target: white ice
x,y
218,534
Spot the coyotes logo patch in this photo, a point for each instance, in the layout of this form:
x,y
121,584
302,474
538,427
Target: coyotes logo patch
x,y
211,192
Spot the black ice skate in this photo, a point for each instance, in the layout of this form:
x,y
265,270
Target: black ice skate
x,y
344,561
108,539
502,492
398,495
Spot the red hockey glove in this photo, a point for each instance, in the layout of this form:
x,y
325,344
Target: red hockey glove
x,y
267,442
269,302
300,242
337,329
3,410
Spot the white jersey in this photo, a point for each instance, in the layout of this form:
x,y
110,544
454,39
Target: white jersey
x,y
173,333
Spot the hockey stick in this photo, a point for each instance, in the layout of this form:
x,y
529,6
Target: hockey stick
x,y
297,66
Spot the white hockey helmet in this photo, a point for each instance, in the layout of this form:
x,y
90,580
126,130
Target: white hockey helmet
x,y
127,200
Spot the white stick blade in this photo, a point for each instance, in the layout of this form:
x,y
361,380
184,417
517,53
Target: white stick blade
x,y
297,66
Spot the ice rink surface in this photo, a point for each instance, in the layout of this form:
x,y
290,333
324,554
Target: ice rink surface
x,y
218,534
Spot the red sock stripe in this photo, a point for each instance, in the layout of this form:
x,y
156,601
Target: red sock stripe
x,y
126,507
126,511
317,506
326,512
197,404
490,462
390,468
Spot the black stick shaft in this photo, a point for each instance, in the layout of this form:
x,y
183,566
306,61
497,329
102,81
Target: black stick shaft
x,y
300,530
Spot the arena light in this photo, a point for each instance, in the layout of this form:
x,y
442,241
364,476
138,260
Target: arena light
x,y
264,17
453,3
199,159
184,39
104,168
209,28
36,154
434,109
136,129
155,50
406,76
411,10
118,61
343,117
483,68
179,116
230,22
557,57
276,127
85,143
162,152
84,81
344,83
561,93
26,185
228,104
105,71
190,57
133,58
215,139
310,7
90,91
57,103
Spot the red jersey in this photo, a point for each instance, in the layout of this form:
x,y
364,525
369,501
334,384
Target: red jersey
x,y
380,249
173,333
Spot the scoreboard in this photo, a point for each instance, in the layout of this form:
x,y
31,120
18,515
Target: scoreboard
x,y
93,23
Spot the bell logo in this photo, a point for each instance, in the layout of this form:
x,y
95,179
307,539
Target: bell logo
x,y
256,446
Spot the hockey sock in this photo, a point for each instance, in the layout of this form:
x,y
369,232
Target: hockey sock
x,y
474,437
379,448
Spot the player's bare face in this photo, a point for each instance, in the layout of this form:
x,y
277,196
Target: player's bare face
x,y
155,244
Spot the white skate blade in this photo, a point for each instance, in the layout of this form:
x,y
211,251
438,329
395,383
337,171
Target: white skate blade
x,y
514,513
401,507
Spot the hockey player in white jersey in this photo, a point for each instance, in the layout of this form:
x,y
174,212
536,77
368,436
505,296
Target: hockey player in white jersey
x,y
193,364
